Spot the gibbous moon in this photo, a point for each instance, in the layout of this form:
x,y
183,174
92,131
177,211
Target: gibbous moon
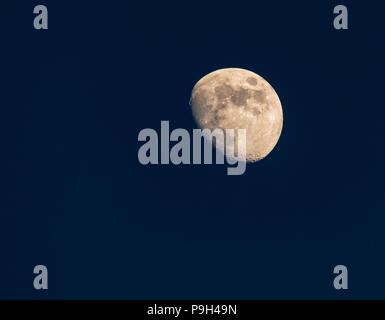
x,y
235,98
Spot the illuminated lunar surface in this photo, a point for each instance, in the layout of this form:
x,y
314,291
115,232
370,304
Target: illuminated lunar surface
x,y
235,98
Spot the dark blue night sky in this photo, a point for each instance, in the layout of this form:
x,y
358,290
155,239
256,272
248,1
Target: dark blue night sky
x,y
75,198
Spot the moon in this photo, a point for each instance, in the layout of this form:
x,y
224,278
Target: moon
x,y
234,98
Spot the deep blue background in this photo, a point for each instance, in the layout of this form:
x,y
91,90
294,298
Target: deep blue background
x,y
74,197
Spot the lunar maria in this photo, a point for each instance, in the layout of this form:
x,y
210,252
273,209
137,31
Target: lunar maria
x,y
187,150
